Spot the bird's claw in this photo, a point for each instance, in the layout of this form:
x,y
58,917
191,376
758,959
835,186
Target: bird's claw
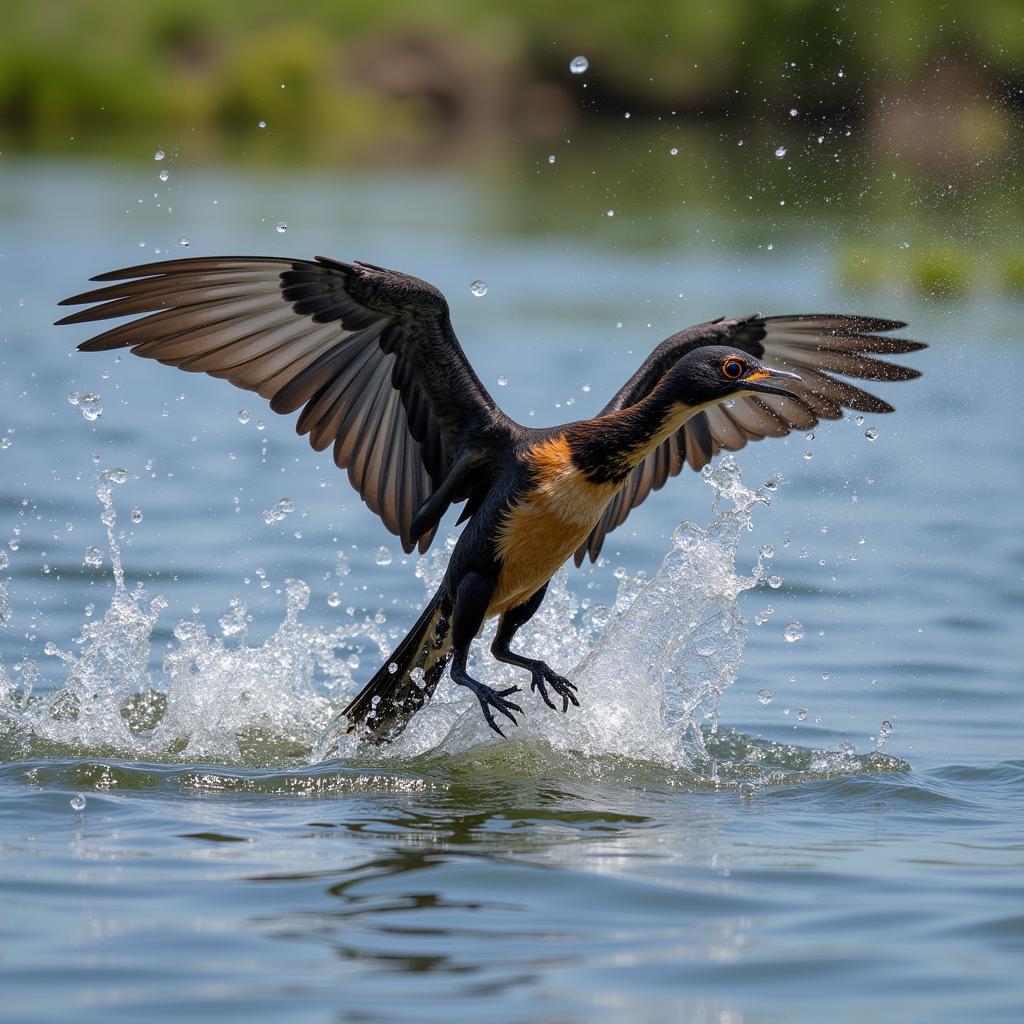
x,y
496,699
544,676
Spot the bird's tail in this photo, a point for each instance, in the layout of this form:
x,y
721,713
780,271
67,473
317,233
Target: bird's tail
x,y
406,681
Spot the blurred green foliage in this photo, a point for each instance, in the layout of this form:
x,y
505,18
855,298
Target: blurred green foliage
x,y
85,66
908,110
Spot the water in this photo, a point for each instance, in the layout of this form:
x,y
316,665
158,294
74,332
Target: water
x,y
168,843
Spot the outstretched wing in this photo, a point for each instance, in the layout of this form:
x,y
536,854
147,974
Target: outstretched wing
x,y
814,345
367,353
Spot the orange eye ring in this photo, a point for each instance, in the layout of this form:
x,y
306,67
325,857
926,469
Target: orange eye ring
x,y
732,368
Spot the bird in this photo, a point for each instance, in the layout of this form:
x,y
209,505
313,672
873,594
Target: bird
x,y
370,357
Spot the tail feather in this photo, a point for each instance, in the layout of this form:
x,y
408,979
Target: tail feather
x,y
382,709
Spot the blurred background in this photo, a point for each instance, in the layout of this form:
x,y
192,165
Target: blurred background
x,y
909,110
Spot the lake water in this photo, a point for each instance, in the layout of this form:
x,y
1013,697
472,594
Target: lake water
x,y
848,846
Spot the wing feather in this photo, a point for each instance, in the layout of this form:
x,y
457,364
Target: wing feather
x,y
813,345
367,354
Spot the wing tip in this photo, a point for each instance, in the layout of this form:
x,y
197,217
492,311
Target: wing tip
x,y
81,316
855,322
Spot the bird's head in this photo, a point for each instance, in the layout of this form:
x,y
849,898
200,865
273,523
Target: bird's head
x,y
714,373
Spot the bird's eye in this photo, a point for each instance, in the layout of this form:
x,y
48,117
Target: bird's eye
x,y
733,368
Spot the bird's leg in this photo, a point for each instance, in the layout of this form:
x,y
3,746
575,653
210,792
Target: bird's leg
x,y
543,676
471,601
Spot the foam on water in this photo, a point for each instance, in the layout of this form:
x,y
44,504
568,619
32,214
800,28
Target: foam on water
x,y
651,671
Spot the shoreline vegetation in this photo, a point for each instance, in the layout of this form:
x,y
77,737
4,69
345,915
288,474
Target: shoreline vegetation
x,y
903,114
343,79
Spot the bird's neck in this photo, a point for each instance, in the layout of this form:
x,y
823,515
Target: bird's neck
x,y
608,447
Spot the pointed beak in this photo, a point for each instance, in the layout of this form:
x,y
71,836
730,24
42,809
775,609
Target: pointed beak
x,y
762,381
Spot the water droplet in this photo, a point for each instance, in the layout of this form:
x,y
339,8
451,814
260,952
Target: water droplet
x,y
824,677
551,158
159,155
334,599
93,558
775,582
780,152
136,515
243,416
478,288
115,476
392,668
341,567
840,73
766,551
747,790
801,714
233,623
502,380
610,213
686,537
74,398
861,540
578,65
673,151
77,802
263,124
808,455
859,420
5,442
884,732
184,241
793,111
417,677
164,175
91,406
281,227
871,433
765,696
382,556
769,246
794,632
282,508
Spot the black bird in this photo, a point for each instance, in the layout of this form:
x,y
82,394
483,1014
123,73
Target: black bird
x,y
370,357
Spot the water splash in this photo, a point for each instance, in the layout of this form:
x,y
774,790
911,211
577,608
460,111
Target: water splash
x,y
239,704
651,670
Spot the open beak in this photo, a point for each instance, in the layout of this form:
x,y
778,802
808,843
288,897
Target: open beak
x,y
762,381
